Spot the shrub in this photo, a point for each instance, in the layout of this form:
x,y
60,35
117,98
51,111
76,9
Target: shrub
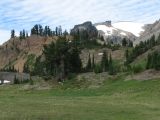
x,y
137,68
98,68
31,82
16,81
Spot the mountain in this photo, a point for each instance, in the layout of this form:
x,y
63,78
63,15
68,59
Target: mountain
x,y
117,31
86,28
149,30
132,27
16,52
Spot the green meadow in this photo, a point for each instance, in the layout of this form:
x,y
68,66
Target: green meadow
x,y
115,100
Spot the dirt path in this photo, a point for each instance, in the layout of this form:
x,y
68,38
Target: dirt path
x,y
146,75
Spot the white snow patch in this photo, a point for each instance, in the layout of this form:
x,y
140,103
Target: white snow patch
x,y
134,28
100,54
5,81
107,30
122,33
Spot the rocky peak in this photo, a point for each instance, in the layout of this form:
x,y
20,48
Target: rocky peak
x,y
106,23
87,27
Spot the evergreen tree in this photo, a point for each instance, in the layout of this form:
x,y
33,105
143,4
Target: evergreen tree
x,y
65,33
75,60
153,61
39,67
98,68
152,41
60,31
89,63
46,31
56,31
26,68
49,31
158,39
104,62
27,35
23,34
111,68
61,58
12,33
130,44
127,57
36,29
149,59
40,30
16,81
93,62
124,42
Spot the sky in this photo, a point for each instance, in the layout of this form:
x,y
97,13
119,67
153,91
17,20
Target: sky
x,y
24,14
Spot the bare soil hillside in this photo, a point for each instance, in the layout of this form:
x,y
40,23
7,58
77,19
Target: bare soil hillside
x,y
14,52
146,75
116,55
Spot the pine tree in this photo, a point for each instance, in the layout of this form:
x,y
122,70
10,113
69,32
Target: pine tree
x,y
149,59
74,60
158,39
93,62
36,29
46,31
60,31
153,61
27,35
12,33
56,31
61,58
16,81
124,42
111,69
104,62
152,41
65,33
89,63
130,44
127,57
40,30
23,34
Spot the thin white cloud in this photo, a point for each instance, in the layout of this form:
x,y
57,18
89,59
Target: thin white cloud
x,y
19,14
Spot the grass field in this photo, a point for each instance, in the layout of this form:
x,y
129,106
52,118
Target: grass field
x,y
116,100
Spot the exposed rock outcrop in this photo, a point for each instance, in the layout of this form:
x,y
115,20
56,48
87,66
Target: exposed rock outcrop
x,y
150,29
87,27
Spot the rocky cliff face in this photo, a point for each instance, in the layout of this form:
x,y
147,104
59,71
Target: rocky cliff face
x,y
150,29
15,52
87,27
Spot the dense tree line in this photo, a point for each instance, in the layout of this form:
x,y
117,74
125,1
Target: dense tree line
x,y
127,43
141,48
23,34
61,59
105,65
85,38
39,30
46,31
9,69
153,60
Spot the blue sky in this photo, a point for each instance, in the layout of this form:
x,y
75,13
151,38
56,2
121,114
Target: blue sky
x,y
19,14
